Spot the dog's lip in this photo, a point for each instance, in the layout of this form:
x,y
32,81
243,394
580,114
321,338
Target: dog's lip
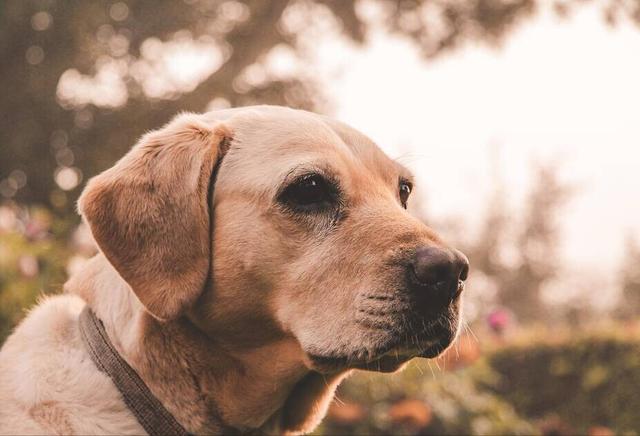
x,y
408,352
432,341
388,359
396,357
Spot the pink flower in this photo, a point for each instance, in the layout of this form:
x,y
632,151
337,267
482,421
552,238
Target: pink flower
x,y
499,320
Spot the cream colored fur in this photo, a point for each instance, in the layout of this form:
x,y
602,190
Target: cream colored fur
x,y
48,383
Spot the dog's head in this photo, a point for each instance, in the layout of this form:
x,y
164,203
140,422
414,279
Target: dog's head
x,y
263,223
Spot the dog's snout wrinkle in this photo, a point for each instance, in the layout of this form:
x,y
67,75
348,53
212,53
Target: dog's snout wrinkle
x,y
385,298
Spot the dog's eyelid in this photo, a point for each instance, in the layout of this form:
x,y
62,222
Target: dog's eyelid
x,y
406,178
300,173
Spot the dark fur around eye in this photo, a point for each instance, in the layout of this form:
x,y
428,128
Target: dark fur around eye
x,y
310,193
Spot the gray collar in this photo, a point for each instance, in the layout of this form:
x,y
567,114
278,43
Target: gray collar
x,y
149,412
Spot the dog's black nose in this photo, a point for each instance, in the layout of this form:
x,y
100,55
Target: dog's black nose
x,y
439,272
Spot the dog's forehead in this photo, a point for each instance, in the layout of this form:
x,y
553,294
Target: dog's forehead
x,y
368,151
269,142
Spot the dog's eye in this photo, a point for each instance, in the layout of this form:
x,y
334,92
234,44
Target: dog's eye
x,y
405,190
310,192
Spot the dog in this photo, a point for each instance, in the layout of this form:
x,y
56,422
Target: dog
x,y
249,259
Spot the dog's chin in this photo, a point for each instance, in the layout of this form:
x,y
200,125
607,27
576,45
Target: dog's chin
x,y
389,357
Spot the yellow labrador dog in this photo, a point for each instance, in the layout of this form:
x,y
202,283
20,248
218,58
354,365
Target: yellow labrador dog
x,y
249,259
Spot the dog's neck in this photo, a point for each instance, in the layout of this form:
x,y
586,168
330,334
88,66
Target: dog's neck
x,y
207,388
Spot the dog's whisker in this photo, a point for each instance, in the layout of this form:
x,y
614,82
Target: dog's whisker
x,y
338,400
433,374
468,328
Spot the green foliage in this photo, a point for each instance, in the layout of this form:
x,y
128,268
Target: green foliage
x,y
585,385
452,404
32,261
592,381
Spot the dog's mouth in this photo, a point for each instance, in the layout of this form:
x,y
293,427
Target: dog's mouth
x,y
431,341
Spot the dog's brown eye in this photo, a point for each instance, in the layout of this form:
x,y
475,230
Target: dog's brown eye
x,y
405,191
309,193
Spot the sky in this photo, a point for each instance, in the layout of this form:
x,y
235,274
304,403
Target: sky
x,y
563,90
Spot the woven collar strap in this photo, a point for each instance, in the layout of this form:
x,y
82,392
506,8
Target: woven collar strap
x,y
150,413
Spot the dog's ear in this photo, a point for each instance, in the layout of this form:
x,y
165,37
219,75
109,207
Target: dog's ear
x,y
149,213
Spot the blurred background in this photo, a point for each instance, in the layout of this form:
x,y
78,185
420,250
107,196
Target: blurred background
x,y
519,118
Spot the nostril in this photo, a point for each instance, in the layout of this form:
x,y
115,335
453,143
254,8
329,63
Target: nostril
x,y
463,265
464,273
